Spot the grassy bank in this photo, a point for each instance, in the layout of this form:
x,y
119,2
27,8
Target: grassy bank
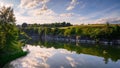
x,y
10,45
11,52
4,59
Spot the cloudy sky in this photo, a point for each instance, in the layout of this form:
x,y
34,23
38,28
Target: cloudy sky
x,y
73,11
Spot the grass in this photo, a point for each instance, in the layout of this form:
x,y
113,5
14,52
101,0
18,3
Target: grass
x,y
4,59
11,52
88,26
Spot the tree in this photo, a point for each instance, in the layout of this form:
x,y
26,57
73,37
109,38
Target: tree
x,y
24,25
78,32
116,32
7,23
6,15
108,31
67,32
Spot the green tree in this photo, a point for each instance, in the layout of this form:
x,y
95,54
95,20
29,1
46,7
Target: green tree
x,y
6,15
8,30
24,25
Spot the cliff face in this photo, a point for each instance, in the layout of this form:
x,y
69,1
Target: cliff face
x,y
72,39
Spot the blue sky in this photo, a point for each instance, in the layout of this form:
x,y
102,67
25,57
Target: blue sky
x,y
73,11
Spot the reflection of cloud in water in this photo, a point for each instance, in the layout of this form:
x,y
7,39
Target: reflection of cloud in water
x,y
61,67
65,51
72,61
37,57
56,58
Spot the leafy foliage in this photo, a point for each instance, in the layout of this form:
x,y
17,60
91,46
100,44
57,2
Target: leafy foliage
x,y
96,32
9,33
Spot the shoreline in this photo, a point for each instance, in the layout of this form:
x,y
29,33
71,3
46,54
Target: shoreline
x,y
78,40
4,58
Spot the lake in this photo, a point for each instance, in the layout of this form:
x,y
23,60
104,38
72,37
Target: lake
x,y
67,55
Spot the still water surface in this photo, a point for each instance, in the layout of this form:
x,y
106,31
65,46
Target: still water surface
x,y
67,55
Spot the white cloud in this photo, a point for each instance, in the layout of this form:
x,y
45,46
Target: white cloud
x,y
30,13
40,19
113,20
67,14
81,18
72,4
37,12
32,3
48,16
6,4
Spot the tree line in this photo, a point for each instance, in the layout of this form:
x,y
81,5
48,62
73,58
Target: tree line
x,y
57,24
95,32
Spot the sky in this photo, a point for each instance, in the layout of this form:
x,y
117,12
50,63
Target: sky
x,y
73,11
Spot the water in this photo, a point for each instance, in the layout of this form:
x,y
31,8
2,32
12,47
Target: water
x,y
67,55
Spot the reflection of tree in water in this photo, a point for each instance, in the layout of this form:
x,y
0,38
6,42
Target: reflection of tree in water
x,y
107,52
106,60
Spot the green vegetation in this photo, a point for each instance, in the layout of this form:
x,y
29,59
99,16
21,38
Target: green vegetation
x,y
112,52
60,24
10,46
96,32
11,37
9,57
